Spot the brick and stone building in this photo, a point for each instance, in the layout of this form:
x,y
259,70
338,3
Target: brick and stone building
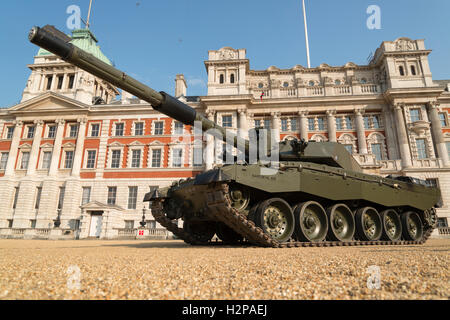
x,y
76,156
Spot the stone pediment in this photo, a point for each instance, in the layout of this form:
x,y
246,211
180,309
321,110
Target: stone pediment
x,y
99,206
156,143
136,144
50,102
68,145
46,146
25,146
116,144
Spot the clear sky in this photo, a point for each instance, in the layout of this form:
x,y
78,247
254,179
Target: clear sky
x,y
154,40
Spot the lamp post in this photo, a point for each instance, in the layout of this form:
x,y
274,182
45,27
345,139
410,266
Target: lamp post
x,y
57,221
143,223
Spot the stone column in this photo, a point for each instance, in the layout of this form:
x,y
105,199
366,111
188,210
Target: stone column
x,y
436,131
276,125
35,147
210,145
331,125
402,136
303,125
243,124
78,156
57,147
13,150
359,121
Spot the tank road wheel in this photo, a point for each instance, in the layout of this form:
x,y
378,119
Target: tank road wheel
x,y
412,226
226,234
274,216
368,224
240,198
311,222
341,223
202,231
392,226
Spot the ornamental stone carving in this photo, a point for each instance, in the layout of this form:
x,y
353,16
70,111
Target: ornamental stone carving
x,y
227,54
404,44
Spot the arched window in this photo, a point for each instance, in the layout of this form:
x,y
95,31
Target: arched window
x,y
232,78
401,70
413,70
221,79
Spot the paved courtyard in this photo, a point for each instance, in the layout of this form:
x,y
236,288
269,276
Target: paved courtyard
x,y
95,269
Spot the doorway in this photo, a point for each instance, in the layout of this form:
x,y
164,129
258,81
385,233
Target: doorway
x,y
96,224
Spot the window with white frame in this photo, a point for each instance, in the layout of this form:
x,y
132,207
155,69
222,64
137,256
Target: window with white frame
x,y
348,122
129,224
443,119
138,128
25,160
293,124
30,132
177,157
91,159
112,193
415,115
46,159
321,123
376,150
178,127
197,156
68,160
119,129
257,123
95,129
339,125
136,158
9,132
86,195
284,125
267,123
73,131
4,160
132,197
421,149
156,158
311,125
366,122
158,128
227,121
51,131
115,158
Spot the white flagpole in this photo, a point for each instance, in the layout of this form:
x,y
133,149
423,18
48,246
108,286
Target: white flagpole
x,y
306,35
89,14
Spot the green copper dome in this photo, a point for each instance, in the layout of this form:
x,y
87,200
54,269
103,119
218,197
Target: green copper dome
x,y
83,39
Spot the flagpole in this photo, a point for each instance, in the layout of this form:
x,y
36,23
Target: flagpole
x,y
306,35
89,14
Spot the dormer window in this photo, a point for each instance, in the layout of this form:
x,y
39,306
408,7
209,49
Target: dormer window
x,y
401,71
221,78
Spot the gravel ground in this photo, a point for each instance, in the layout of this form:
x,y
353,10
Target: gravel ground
x,y
35,269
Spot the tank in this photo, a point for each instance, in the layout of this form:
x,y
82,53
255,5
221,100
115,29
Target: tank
x,y
314,194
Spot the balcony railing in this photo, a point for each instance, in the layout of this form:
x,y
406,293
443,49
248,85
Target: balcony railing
x,y
444,231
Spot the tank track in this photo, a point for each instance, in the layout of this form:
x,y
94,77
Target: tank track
x,y
219,208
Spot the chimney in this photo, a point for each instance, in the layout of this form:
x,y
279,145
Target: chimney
x,y
180,86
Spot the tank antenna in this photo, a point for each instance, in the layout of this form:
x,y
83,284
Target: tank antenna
x,y
89,14
306,34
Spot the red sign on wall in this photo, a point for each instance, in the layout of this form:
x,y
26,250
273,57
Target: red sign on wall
x,y
141,232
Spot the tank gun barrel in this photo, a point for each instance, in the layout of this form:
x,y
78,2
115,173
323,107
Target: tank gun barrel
x,y
160,101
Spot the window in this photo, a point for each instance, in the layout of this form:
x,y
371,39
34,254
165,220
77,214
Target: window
x,y
337,82
30,133
221,79
285,84
16,196
51,132
151,224
91,156
156,158
321,123
73,131
311,125
284,125
376,150
349,148
260,85
311,83
442,223
68,162
179,127
136,159
159,128
232,78
443,119
415,115
227,121
363,81
348,122
10,133
366,122
33,224
266,123
421,149
401,71
119,129
257,123
95,129
138,128
413,70
71,81
25,160
86,197
62,191
129,224
49,82
60,82
38,197
4,160
198,156
115,159
112,192
293,124
132,197
177,157
10,223
46,159
339,125
376,122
